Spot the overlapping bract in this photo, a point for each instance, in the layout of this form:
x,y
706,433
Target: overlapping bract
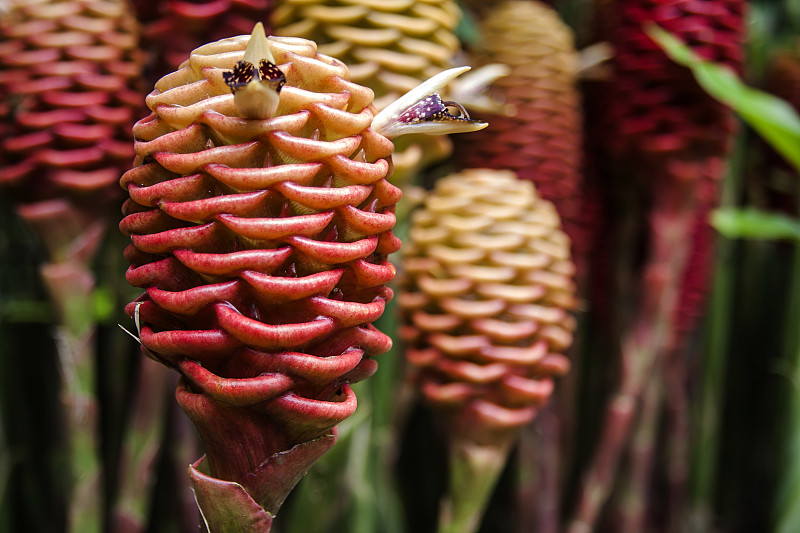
x,y
173,28
541,140
486,301
68,77
261,246
390,45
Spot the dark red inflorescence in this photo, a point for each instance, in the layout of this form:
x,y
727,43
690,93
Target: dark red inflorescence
x,y
663,128
656,106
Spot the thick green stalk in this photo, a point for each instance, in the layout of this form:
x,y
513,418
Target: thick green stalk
x,y
788,515
474,471
70,284
80,411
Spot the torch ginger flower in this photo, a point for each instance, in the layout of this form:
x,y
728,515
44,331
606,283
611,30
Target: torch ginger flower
x,y
261,221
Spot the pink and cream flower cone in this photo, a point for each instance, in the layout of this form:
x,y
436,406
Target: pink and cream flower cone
x,y
486,300
261,221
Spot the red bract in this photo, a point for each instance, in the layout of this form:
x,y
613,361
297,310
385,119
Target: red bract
x,y
262,247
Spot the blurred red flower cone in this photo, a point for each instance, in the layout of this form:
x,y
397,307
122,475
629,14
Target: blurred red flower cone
x,y
171,29
69,74
69,78
667,139
540,137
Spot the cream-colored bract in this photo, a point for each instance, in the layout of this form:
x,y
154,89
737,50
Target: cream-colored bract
x,y
257,47
388,122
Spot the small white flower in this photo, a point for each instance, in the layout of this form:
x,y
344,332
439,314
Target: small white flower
x,y
255,89
421,110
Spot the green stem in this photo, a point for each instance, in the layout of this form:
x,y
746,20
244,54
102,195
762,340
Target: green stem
x,y
788,515
706,425
138,461
80,409
474,471
71,288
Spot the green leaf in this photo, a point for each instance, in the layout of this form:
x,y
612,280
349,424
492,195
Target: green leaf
x,y
467,30
755,224
774,119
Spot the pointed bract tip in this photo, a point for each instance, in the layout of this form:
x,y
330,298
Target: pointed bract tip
x,y
257,47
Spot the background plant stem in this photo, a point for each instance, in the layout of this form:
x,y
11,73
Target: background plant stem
x,y
647,337
704,451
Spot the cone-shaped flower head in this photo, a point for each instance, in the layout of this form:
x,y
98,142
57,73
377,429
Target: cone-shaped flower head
x,y
541,139
486,302
261,244
173,28
656,107
389,45
68,76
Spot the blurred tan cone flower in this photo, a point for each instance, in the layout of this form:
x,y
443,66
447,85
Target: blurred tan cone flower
x,y
487,304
